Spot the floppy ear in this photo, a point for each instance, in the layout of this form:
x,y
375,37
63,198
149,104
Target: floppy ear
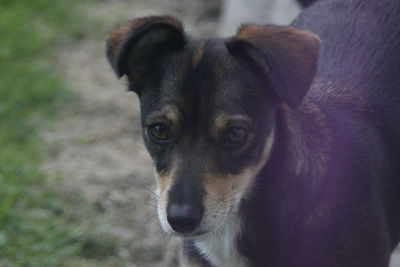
x,y
131,48
287,56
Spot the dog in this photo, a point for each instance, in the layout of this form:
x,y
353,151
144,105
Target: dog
x,y
270,147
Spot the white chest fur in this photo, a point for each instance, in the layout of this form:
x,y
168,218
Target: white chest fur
x,y
220,247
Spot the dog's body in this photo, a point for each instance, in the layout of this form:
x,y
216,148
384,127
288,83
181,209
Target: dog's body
x,y
251,172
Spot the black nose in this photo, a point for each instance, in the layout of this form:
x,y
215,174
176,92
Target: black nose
x,y
184,218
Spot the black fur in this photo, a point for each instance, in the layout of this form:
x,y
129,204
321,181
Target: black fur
x,y
194,89
285,59
329,196
306,3
361,190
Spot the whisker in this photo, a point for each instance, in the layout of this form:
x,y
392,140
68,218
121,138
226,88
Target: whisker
x,y
150,218
151,205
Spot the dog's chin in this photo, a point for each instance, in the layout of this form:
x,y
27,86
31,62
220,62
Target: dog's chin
x,y
194,235
197,234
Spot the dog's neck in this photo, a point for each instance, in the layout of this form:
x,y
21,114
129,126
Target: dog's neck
x,y
299,151
220,248
304,140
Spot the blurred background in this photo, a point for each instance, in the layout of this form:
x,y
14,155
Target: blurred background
x,y
75,180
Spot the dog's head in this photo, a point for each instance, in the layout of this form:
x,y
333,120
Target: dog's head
x,y
208,109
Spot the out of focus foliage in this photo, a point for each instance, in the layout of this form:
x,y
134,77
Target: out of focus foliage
x,y
34,230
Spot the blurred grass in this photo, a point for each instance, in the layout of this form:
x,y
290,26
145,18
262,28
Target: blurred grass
x,y
34,229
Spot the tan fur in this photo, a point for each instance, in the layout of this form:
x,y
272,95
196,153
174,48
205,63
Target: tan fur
x,y
223,195
222,120
224,192
116,38
164,185
288,55
197,54
275,35
301,161
304,161
168,113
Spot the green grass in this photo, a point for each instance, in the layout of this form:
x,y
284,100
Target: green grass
x,y
34,230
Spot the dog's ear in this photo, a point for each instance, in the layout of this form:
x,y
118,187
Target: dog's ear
x,y
131,48
287,56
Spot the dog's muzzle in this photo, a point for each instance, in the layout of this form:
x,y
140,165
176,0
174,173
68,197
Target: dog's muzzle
x,y
185,208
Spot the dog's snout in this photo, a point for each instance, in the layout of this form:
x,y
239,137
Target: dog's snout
x,y
184,218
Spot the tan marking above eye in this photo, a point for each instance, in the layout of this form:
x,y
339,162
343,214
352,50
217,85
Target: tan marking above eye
x,y
224,121
197,54
168,113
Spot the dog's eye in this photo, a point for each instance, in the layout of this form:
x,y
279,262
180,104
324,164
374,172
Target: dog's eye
x,y
159,132
235,135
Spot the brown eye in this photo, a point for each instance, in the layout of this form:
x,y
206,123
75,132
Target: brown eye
x,y
159,132
235,135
